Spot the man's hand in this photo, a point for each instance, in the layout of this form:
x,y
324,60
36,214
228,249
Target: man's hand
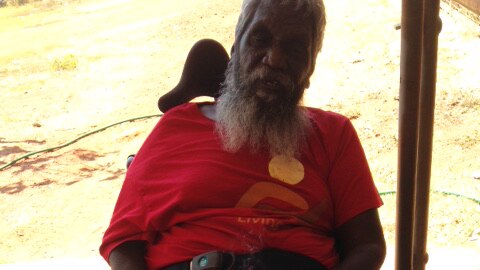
x,y
128,256
361,242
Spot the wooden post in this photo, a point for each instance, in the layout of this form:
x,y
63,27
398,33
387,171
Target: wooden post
x,y
432,27
410,74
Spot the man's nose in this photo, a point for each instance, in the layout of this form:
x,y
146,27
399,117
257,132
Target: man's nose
x,y
275,58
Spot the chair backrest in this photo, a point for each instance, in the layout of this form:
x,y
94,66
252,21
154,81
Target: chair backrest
x,y
203,73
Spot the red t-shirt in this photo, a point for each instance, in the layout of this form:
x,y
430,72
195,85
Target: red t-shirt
x,y
184,195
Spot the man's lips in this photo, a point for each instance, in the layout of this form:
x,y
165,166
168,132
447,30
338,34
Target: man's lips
x,y
269,89
271,84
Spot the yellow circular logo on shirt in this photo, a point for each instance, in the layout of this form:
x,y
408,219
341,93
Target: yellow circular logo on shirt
x,y
286,169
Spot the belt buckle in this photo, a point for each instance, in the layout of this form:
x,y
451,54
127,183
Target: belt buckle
x,y
213,260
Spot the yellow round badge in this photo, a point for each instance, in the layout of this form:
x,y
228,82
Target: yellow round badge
x,y
286,169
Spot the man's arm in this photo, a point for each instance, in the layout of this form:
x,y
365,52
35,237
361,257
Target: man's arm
x,y
128,256
361,242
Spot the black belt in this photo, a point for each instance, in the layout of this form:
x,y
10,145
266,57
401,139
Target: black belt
x,y
264,260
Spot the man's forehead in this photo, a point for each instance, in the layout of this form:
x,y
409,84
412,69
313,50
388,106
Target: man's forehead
x,y
295,17
281,7
282,13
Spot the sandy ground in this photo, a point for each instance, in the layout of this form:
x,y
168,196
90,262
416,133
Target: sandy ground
x,y
56,206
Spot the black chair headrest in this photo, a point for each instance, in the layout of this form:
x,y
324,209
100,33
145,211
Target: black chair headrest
x,y
202,75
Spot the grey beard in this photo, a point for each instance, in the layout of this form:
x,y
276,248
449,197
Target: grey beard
x,y
244,119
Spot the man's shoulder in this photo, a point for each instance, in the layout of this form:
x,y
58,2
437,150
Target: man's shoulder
x,y
330,127
323,116
183,117
184,112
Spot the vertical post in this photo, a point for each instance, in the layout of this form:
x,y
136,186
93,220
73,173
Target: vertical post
x,y
432,27
410,74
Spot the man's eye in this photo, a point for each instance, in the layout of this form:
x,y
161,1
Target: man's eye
x,y
259,39
297,49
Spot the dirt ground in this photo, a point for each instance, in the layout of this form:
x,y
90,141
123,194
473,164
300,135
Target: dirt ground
x,y
126,54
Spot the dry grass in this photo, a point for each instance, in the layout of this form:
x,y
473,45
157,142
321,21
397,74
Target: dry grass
x,y
67,62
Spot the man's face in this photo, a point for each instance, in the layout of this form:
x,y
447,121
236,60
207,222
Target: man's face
x,y
265,80
274,54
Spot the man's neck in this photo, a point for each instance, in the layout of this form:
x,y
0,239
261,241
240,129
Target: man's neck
x,y
209,111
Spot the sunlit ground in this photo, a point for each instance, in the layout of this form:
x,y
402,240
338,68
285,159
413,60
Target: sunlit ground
x,y
66,69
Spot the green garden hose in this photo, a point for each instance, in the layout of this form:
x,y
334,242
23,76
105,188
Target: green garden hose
x,y
51,149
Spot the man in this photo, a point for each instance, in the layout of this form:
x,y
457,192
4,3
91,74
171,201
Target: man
x,y
253,174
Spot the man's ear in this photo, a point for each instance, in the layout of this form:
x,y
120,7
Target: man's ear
x,y
307,83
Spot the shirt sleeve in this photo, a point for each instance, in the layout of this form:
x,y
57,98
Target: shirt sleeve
x,y
350,180
129,222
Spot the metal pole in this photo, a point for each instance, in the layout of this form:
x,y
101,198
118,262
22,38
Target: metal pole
x,y
410,72
432,27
